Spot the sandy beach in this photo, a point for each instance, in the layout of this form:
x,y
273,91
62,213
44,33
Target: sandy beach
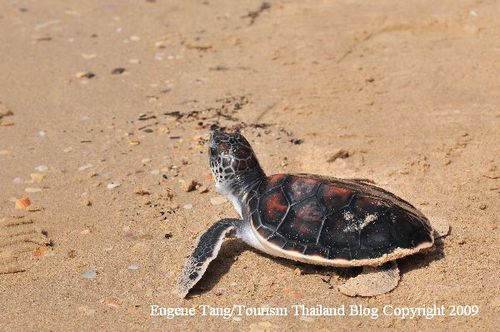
x,y
105,110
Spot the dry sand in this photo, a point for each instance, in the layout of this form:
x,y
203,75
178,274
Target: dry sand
x,y
406,93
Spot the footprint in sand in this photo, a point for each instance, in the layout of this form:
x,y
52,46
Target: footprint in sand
x,y
21,243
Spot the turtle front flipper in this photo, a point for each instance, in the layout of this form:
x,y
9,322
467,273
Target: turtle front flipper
x,y
207,248
372,281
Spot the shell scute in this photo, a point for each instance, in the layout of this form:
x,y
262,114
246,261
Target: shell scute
x,y
336,233
273,208
303,222
299,188
334,197
275,180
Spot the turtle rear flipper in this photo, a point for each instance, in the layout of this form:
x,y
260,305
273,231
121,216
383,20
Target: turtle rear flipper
x,y
440,227
372,281
207,248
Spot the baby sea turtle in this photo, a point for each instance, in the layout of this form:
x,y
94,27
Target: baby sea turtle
x,y
310,219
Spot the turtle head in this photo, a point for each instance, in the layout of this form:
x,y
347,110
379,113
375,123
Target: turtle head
x,y
232,161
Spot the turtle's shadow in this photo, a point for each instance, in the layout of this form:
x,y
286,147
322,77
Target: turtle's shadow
x,y
232,248
422,260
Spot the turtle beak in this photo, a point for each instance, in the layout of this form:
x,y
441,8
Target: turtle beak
x,y
215,134
212,143
213,138
214,130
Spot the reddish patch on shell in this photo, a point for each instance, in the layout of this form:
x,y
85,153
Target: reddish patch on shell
x,y
301,188
274,207
335,197
274,180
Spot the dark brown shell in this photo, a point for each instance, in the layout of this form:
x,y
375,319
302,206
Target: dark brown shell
x,y
335,219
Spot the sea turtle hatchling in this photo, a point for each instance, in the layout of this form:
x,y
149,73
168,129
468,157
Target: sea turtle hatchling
x,y
310,219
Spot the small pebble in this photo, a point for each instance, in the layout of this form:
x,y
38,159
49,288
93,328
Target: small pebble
x,y
42,251
296,141
133,267
142,192
88,56
190,186
218,200
113,185
118,71
33,190
42,133
202,189
89,274
164,130
18,180
168,236
37,177
85,167
307,319
42,168
90,311
34,208
85,74
112,302
340,154
155,172
483,206
188,206
160,45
